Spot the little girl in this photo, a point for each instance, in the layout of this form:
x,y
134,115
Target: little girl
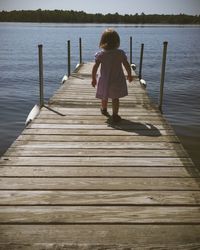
x,y
112,82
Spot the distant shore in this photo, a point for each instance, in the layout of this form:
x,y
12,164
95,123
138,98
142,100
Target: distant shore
x,y
70,16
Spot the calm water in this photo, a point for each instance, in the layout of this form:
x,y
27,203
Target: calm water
x,y
19,70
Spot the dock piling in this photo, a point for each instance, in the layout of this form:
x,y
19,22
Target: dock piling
x,y
141,60
163,74
131,49
80,50
69,58
41,78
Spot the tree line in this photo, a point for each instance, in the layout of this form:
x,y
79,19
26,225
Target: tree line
x,y
70,16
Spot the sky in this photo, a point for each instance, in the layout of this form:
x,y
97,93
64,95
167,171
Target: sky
x,y
191,7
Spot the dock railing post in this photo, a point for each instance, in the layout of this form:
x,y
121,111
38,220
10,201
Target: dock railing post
x,y
162,74
80,50
141,59
131,49
69,58
41,78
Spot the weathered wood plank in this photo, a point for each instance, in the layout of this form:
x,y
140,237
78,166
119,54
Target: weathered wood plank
x,y
84,236
40,151
136,98
56,171
98,117
89,246
100,138
74,83
131,126
96,161
100,214
95,102
142,132
92,104
134,110
137,95
126,111
96,111
99,145
110,183
96,122
99,197
85,97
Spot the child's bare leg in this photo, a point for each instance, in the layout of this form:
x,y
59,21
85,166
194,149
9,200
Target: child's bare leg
x,y
104,104
115,106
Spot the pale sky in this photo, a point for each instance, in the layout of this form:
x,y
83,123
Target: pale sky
x,y
108,6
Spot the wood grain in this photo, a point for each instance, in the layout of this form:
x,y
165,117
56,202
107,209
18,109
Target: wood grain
x,y
82,197
110,183
99,214
170,236
57,171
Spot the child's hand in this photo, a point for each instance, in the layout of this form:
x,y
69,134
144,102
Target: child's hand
x,y
94,82
130,78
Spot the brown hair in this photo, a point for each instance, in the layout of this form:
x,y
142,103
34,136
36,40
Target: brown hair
x,y
109,40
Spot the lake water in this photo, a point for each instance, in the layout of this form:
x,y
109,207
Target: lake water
x,y
19,70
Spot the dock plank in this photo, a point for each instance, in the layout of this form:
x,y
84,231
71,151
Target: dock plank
x,y
82,197
97,161
100,214
101,236
99,144
56,152
117,131
99,138
92,183
57,171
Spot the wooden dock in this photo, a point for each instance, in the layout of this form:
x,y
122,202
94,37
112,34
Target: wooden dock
x,y
75,180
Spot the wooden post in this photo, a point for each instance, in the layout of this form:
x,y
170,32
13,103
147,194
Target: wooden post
x,y
163,74
41,81
141,59
80,50
69,58
131,49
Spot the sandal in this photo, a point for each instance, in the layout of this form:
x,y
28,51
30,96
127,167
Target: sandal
x,y
104,112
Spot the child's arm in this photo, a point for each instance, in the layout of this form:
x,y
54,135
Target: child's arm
x,y
128,69
94,73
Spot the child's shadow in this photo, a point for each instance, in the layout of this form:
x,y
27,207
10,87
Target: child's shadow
x,y
145,129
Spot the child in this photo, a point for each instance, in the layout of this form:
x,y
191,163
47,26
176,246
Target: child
x,y
112,82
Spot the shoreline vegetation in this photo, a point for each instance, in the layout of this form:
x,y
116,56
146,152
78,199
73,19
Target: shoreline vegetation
x,y
70,16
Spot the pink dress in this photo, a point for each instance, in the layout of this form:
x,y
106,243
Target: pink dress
x,y
112,82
